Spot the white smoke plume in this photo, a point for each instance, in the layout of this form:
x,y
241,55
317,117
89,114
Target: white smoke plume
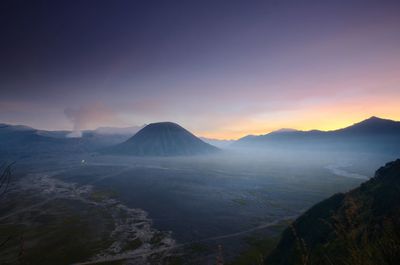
x,y
89,116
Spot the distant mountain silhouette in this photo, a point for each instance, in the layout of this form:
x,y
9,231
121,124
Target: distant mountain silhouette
x,y
373,134
117,130
157,139
284,130
361,227
19,140
163,139
217,142
373,125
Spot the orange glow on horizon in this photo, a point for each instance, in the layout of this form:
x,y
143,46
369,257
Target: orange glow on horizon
x,y
333,125
324,118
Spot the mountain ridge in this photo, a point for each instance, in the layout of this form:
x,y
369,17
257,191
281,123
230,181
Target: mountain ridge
x,y
372,135
290,130
163,139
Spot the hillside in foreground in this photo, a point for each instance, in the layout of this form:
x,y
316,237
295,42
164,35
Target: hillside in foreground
x,y
360,227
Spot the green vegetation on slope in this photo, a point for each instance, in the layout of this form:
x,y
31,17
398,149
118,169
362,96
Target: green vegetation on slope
x,y
360,227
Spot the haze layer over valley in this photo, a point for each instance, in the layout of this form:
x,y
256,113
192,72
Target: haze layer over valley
x,y
154,206
201,132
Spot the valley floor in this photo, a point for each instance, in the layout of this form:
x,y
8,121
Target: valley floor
x,y
159,211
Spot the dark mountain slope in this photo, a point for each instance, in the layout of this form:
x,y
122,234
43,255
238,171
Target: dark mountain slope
x,y
163,139
17,140
373,125
361,227
371,135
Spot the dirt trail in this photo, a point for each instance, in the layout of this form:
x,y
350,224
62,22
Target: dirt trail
x,y
138,254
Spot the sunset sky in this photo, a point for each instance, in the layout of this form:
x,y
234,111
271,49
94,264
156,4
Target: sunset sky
x,y
222,69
